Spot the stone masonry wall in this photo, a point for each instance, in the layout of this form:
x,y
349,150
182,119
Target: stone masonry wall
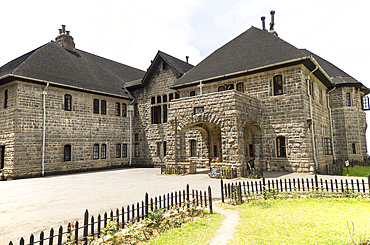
x,y
80,128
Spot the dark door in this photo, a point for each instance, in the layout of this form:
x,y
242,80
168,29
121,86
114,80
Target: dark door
x,y
2,156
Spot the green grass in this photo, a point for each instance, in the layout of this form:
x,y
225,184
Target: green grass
x,y
360,171
197,232
301,221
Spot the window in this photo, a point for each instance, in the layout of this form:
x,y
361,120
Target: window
x,y
68,102
103,151
136,110
230,86
6,98
67,153
251,150
159,99
118,109
96,151
365,103
354,148
278,85
159,145
170,97
240,87
177,96
164,148
156,114
136,149
165,98
124,110
103,108
2,157
221,88
136,137
96,106
320,96
327,147
348,99
118,151
192,93
124,150
280,146
152,101
164,113
193,148
215,154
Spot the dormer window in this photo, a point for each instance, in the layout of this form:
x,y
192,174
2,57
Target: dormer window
x,y
278,85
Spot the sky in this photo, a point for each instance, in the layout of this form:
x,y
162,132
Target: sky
x,y
132,32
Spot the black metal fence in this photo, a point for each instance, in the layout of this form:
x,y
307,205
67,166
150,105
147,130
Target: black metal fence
x,y
337,167
245,172
235,191
173,169
91,226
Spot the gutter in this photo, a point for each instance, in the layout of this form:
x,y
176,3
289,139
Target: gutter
x,y
331,124
313,122
260,68
44,93
64,85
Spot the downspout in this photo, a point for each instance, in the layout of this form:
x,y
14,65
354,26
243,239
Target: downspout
x,y
331,124
44,93
313,122
130,110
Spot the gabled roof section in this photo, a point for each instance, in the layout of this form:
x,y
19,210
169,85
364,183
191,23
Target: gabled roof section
x,y
75,69
253,50
179,66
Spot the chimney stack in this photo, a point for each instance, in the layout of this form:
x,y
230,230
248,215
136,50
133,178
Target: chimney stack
x,y
65,40
263,23
187,59
272,31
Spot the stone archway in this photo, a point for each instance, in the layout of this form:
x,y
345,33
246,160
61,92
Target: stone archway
x,y
252,144
206,137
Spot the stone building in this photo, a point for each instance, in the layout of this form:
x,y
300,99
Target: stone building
x,y
257,99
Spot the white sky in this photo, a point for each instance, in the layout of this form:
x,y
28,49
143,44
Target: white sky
x,y
131,32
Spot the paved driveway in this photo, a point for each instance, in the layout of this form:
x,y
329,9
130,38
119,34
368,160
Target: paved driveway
x,y
32,205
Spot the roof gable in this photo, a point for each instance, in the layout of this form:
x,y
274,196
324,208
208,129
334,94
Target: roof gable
x,y
180,67
78,69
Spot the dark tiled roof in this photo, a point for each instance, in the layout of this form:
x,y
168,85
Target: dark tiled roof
x,y
179,66
252,49
337,75
52,63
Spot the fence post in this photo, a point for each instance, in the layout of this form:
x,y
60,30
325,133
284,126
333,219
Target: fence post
x,y
240,193
187,192
86,225
316,182
222,191
264,181
368,183
146,204
210,200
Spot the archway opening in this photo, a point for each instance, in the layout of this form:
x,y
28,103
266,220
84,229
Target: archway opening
x,y
252,139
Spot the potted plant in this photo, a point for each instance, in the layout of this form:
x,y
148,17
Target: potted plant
x,y
217,160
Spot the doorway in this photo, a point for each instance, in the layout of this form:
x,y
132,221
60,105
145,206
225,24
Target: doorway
x,y
2,156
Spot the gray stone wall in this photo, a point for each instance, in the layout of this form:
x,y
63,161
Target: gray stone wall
x,y
80,128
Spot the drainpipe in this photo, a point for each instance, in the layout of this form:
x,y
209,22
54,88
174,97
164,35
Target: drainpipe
x,y
313,122
130,109
44,93
331,124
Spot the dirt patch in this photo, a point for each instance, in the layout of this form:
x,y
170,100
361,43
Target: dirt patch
x,y
225,232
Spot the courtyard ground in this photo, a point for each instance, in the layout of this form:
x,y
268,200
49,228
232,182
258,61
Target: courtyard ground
x,y
31,205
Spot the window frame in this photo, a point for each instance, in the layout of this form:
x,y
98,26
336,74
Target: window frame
x,y
103,107
68,102
193,148
118,109
103,151
280,146
96,151
348,99
192,93
278,89
164,113
118,150
6,98
124,150
124,110
67,153
136,149
221,88
240,87
96,106
354,149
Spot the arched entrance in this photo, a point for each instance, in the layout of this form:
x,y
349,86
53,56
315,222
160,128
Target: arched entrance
x,y
200,142
252,139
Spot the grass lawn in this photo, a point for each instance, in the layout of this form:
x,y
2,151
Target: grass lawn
x,y
360,171
197,232
302,221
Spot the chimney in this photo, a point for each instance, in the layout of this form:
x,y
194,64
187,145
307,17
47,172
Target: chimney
x,y
187,59
65,40
263,23
272,31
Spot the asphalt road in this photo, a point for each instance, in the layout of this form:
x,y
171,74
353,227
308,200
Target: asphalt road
x,y
28,206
